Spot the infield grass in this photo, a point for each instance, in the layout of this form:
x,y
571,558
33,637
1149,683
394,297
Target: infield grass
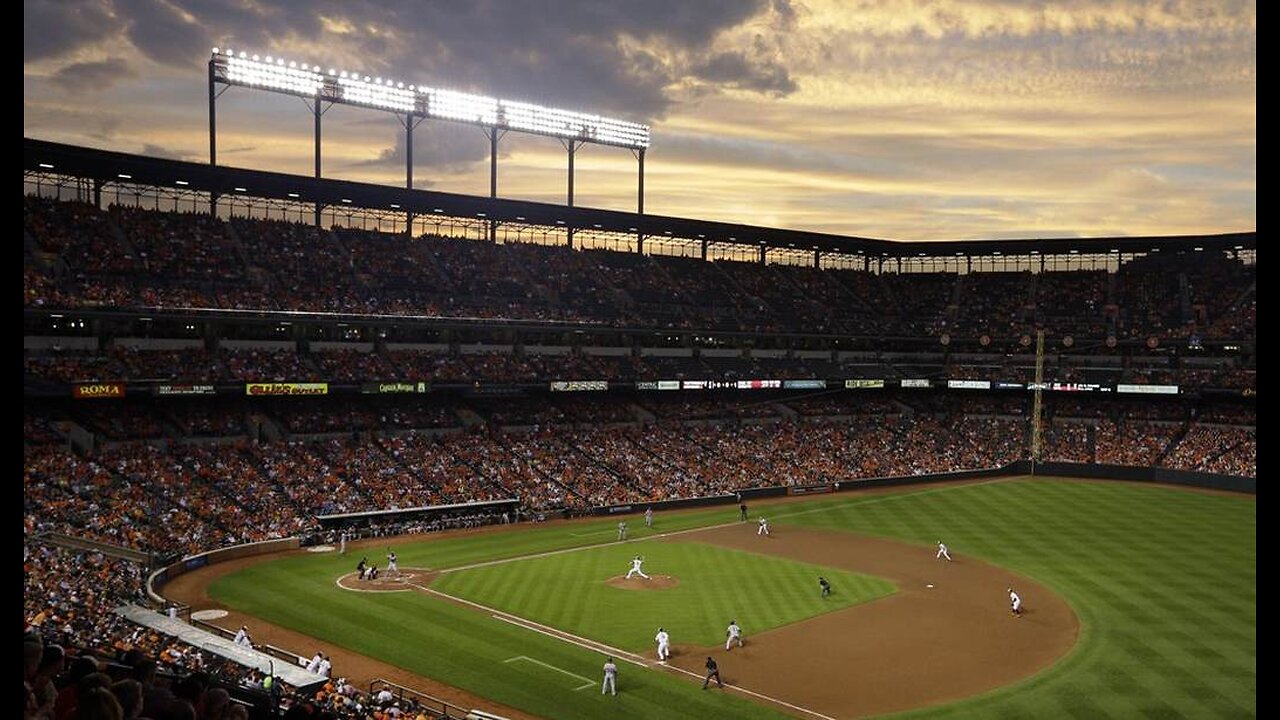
x,y
716,585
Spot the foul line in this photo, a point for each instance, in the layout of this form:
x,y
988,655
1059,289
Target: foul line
x,y
580,548
589,682
701,528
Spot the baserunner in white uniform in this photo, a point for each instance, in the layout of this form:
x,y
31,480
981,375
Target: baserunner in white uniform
x,y
942,552
733,635
664,645
636,562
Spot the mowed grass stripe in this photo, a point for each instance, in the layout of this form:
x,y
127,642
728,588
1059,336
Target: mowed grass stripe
x,y
461,647
716,584
1123,556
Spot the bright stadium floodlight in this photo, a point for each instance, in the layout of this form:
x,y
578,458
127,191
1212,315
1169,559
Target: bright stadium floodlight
x,y
377,93
274,73
453,105
270,75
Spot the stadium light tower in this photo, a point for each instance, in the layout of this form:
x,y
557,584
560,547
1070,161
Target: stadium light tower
x,y
412,104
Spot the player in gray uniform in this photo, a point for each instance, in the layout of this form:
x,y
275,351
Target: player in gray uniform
x,y
622,530
648,517
610,678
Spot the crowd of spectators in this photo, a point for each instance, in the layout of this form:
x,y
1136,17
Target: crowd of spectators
x,y
172,496
1215,448
80,256
75,643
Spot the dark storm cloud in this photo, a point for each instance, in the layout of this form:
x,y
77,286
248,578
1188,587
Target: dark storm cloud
x,y
92,76
152,150
162,32
734,69
438,145
51,28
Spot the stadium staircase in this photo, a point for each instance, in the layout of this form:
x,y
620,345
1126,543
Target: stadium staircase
x,y
120,237
1174,442
619,478
537,468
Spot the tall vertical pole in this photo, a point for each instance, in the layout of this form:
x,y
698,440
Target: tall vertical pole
x,y
213,120
493,162
408,151
640,203
408,169
315,107
573,150
640,183
1037,407
213,137
572,147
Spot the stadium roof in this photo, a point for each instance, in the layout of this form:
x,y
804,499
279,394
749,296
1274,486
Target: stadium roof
x,y
107,166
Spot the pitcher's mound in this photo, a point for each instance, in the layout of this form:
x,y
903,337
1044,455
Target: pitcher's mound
x,y
655,582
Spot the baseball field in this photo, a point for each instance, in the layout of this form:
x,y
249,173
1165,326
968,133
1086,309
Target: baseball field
x,y
1140,602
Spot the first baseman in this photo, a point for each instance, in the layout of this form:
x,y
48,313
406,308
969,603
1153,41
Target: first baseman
x,y
942,552
1015,604
764,527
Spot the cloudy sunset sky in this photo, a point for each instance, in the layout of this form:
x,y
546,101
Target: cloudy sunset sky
x,y
904,119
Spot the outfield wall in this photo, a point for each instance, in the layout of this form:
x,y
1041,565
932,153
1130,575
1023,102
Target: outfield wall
x,y
1022,467
1212,481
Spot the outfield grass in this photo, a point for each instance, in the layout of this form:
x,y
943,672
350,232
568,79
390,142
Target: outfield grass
x,y
1164,583
716,585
